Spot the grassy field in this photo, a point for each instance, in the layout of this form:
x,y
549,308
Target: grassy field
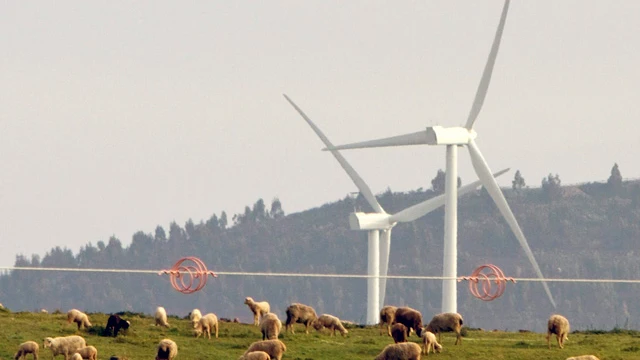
x,y
139,342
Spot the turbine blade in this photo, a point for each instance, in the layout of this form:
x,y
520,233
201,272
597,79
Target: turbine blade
x,y
385,247
484,173
417,138
357,180
481,93
419,210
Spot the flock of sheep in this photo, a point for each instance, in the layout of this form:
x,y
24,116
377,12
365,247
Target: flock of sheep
x,y
400,322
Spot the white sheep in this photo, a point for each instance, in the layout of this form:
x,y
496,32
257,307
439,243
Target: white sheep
x,y
258,309
270,326
78,317
88,352
76,356
167,350
583,357
300,313
446,322
205,324
430,343
194,316
275,348
558,325
330,322
255,355
27,347
44,311
64,345
400,351
161,317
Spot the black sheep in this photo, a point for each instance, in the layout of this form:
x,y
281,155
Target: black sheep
x,y
115,323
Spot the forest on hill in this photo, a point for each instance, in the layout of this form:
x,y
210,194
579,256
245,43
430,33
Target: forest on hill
x,y
584,231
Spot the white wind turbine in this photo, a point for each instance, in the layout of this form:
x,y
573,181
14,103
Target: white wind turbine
x,y
378,221
453,137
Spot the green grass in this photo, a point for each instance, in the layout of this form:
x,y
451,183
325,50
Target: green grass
x,y
361,343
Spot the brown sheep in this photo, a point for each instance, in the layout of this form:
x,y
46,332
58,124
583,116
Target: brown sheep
x,y
258,309
558,325
330,322
446,322
429,343
300,313
27,347
88,352
270,326
400,351
275,348
411,318
387,316
399,333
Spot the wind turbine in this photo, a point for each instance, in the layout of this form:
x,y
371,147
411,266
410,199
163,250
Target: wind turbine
x,y
452,137
379,221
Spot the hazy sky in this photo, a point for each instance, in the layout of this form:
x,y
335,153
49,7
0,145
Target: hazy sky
x,y
120,116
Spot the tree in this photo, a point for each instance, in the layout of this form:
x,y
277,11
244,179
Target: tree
x,y
276,209
223,220
438,182
552,186
615,180
518,181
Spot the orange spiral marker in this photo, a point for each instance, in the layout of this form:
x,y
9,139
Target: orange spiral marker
x,y
494,275
197,275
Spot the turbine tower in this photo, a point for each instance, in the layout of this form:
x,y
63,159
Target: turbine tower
x,y
452,137
380,220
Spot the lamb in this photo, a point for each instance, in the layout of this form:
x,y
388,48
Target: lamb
x,y
88,352
558,325
270,326
27,347
194,316
78,317
300,313
429,343
445,322
387,316
255,355
161,317
411,318
275,348
167,350
64,345
258,309
399,333
330,322
583,357
400,351
205,324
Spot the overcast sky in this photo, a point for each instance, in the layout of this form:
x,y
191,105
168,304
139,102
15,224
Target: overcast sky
x,y
120,116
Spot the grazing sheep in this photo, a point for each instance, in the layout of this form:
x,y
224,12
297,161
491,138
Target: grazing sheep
x,y
400,351
399,333
76,356
27,347
194,316
270,326
446,322
583,357
64,345
205,324
88,352
429,343
161,317
387,316
300,313
255,355
78,317
258,309
115,323
44,311
275,348
411,318
167,350
558,325
330,322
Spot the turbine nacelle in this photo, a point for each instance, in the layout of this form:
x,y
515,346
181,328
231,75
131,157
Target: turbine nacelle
x,y
369,221
439,135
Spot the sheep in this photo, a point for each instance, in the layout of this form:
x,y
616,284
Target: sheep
x,y
115,323
275,348
583,357
400,351
411,318
167,350
205,324
330,322
194,316
429,343
44,311
88,352
270,326
255,355
300,313
445,322
387,316
258,309
76,356
558,325
78,317
161,317
399,333
65,345
27,347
